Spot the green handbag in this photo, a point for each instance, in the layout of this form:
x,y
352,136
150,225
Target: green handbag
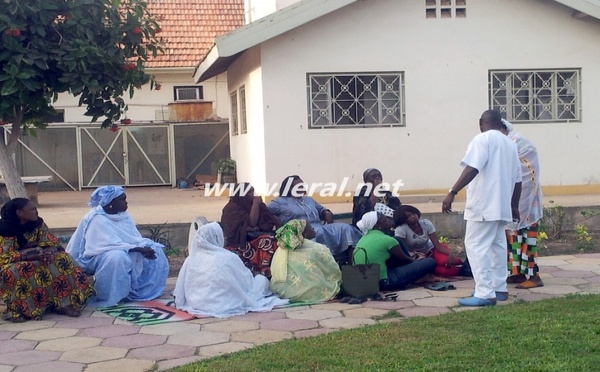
x,y
360,280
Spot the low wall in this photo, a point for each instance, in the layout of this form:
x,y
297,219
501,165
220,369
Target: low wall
x,y
451,224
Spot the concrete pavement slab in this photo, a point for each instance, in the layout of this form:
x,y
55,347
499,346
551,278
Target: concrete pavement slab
x,y
196,339
169,329
162,352
12,346
21,358
412,312
4,368
231,326
556,289
69,343
47,334
93,354
55,366
168,364
314,314
7,335
26,326
221,349
129,365
111,330
260,317
364,312
437,302
389,305
134,341
261,336
346,323
290,325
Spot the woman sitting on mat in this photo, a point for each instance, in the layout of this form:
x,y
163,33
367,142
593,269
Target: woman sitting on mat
x,y
294,204
108,245
420,238
36,274
248,226
303,270
380,247
214,281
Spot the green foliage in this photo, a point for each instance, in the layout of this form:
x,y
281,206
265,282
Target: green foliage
x,y
564,338
226,166
584,239
442,239
159,234
94,49
553,221
390,314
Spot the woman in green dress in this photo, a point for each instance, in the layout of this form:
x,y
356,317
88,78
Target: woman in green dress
x,y
36,274
303,270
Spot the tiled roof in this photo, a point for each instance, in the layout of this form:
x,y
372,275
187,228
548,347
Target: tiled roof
x,y
190,27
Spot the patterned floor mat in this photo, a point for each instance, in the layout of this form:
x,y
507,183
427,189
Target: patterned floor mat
x,y
148,312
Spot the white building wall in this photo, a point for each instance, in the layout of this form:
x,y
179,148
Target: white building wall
x,y
446,64
145,102
255,9
248,150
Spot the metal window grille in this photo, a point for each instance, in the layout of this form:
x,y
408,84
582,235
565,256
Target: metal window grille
x,y
234,114
243,122
445,8
355,100
188,93
527,96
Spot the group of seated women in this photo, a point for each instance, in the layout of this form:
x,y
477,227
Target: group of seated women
x,y
105,262
259,257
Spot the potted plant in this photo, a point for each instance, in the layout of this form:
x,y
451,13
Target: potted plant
x,y
226,168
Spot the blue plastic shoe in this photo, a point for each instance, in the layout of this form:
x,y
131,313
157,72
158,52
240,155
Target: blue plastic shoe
x,y
475,301
500,296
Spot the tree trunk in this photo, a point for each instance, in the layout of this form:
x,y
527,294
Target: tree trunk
x,y
10,174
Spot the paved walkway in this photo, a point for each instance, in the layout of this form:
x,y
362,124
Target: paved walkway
x,y
97,342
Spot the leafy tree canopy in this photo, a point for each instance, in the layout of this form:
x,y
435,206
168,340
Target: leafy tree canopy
x,y
93,49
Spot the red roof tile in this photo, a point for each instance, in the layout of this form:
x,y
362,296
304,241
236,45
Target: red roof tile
x,y
189,28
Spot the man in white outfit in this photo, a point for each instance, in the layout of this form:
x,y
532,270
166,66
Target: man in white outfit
x,y
493,174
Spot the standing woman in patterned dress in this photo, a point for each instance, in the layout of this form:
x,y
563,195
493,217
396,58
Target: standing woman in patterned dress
x,y
36,274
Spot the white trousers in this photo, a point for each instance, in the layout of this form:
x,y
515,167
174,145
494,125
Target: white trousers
x,y
485,243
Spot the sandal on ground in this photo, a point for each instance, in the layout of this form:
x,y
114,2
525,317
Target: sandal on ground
x,y
528,284
18,319
68,311
519,278
440,286
386,297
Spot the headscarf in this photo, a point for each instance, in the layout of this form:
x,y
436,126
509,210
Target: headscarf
x,y
104,195
290,235
367,172
384,209
208,237
368,222
10,224
507,125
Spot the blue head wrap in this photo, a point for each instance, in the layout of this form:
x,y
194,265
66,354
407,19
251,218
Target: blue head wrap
x,y
104,195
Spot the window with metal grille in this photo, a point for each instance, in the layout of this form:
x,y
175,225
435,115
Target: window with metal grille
x,y
529,96
188,93
243,123
234,114
445,8
355,100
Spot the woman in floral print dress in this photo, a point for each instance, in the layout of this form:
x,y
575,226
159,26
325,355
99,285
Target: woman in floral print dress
x,y
36,274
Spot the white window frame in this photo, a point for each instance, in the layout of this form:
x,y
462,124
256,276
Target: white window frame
x,y
356,100
243,119
536,96
234,113
197,88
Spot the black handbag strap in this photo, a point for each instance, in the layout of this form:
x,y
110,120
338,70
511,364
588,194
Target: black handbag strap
x,y
360,249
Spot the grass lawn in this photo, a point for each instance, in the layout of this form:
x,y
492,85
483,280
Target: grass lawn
x,y
561,334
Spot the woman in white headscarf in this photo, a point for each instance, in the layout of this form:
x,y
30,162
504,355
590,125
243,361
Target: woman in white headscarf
x,y
108,245
379,247
214,281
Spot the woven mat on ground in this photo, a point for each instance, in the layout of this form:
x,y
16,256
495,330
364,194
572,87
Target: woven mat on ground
x,y
157,311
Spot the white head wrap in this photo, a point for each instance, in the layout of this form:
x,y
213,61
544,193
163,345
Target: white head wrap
x,y
509,126
367,222
104,195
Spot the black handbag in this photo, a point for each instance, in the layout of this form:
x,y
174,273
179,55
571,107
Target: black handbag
x,y
360,280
